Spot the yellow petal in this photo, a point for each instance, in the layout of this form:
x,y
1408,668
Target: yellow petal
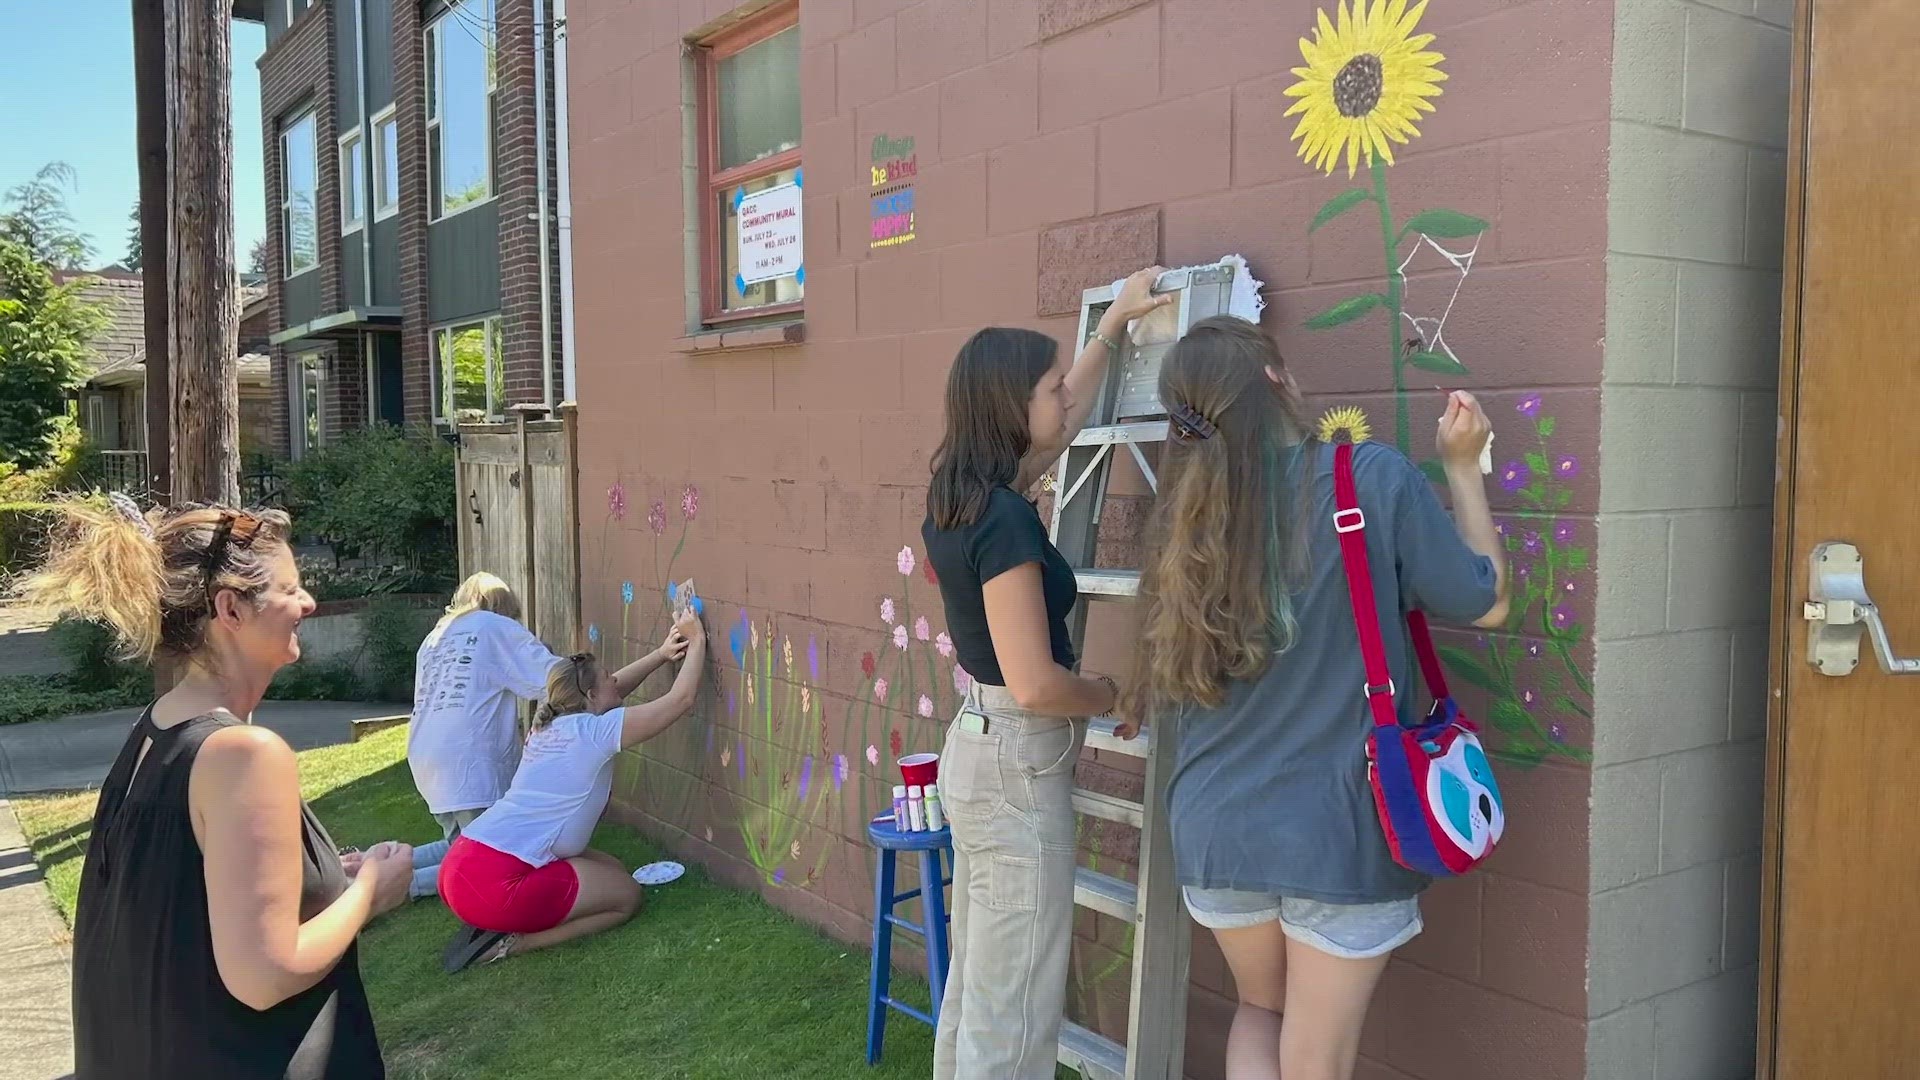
x,y
1412,19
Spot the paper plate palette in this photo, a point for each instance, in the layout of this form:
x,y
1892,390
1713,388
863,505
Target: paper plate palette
x,y
659,873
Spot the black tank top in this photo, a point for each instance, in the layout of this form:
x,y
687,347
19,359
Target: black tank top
x,y
148,1002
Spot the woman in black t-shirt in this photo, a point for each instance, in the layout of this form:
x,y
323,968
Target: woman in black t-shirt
x,y
1006,776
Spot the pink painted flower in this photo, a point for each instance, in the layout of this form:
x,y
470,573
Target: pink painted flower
x,y
690,502
921,629
943,644
880,691
962,681
895,743
866,664
839,770
657,517
886,610
925,707
873,754
617,500
904,561
900,637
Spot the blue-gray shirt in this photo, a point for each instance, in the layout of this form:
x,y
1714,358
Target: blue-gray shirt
x,y
1269,793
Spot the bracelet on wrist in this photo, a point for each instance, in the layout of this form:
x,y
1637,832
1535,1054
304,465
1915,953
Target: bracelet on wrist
x,y
1113,347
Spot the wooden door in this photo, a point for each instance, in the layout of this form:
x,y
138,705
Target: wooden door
x,y
1841,917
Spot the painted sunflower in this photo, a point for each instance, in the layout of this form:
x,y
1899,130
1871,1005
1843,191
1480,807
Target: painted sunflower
x,y
1345,424
1367,80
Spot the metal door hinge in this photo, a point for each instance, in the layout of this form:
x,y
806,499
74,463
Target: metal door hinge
x,y
1839,610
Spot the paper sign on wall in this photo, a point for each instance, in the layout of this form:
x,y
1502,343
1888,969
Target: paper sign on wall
x,y
768,234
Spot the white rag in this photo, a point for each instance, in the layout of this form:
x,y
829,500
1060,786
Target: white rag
x,y
1245,301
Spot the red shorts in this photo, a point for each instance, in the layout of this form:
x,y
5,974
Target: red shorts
x,y
492,890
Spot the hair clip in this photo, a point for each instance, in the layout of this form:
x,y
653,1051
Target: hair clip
x,y
130,510
1189,424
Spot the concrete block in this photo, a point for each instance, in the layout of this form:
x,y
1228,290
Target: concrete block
x,y
1736,78
1706,1031
1740,946
1642,310
863,68
1041,181
1720,571
1668,449
1766,207
1620,1044
1625,845
1076,257
1101,71
939,38
1649,58
1534,951
990,106
1630,578
1676,194
1727,328
1710,804
1747,684
1211,43
1654,936
1759,449
1192,141
1659,695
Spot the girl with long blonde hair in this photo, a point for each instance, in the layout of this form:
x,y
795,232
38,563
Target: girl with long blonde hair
x,y
1247,641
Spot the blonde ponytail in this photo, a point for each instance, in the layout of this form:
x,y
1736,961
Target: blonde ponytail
x,y
480,592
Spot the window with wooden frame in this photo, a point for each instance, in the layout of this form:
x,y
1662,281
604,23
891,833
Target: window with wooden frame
x,y
749,79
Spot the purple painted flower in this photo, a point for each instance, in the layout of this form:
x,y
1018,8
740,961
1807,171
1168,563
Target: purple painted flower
x,y
730,706
813,659
806,774
886,610
1530,542
962,681
1529,699
900,637
657,517
1529,406
943,644
1522,573
880,691
1562,617
1566,467
1562,532
690,502
741,756
1515,475
1533,648
617,500
1557,732
779,875
839,770
921,629
904,562
925,706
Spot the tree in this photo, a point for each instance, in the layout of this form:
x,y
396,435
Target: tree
x,y
134,253
37,219
257,257
44,331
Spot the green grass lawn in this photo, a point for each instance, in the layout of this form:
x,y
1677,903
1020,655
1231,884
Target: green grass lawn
x,y
705,982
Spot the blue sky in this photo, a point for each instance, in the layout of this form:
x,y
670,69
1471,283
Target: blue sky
x,y
68,87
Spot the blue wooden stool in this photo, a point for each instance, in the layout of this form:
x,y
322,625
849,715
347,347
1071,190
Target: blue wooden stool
x,y
932,892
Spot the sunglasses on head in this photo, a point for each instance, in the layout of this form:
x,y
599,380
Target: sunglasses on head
x,y
235,530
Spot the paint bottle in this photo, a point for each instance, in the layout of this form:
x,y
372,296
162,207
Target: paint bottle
x,y
936,817
916,810
900,807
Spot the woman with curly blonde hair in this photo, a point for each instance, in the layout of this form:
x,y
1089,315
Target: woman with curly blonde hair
x,y
1247,641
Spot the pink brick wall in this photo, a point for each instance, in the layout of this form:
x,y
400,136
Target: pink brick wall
x,y
1059,143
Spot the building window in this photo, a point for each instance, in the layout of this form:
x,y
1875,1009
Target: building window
x,y
300,195
750,118
469,373
460,107
308,382
353,181
386,165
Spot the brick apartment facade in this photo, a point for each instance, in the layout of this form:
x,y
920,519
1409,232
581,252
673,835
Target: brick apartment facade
x,y
360,330
1625,159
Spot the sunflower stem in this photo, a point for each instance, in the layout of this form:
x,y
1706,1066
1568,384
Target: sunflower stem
x,y
1402,436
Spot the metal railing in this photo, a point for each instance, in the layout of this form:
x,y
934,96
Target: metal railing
x,y
124,470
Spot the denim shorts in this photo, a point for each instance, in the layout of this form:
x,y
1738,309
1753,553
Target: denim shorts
x,y
1350,931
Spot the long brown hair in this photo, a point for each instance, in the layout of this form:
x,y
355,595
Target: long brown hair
x,y
1224,544
151,578
987,436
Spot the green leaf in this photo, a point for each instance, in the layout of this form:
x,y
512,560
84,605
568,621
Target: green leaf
x,y
1434,470
1561,498
1440,363
1444,223
1576,558
1537,461
1346,311
1467,666
1545,427
1340,204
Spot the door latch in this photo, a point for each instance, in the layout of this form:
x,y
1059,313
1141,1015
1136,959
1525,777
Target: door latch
x,y
1838,610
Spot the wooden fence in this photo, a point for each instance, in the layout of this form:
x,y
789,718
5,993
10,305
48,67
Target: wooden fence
x,y
518,516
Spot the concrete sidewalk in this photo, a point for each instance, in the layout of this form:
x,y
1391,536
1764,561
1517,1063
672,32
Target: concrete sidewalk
x,y
36,1019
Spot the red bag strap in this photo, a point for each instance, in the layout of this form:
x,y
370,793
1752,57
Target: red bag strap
x,y
1350,525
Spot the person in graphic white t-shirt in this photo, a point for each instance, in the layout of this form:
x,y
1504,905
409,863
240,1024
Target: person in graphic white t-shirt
x,y
521,875
463,743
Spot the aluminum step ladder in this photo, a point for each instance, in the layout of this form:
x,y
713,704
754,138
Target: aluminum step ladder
x,y
1128,414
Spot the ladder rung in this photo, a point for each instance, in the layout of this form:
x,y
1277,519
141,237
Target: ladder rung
x,y
1145,431
1107,807
1104,893
1108,584
1097,1056
1100,736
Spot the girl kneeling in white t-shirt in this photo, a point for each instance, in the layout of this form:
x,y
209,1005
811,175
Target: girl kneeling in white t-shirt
x,y
521,874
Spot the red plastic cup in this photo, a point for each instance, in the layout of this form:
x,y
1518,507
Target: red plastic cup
x,y
920,769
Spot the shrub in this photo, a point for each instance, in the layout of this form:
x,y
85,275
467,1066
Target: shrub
x,y
393,631
25,515
93,659
382,495
314,680
324,579
46,697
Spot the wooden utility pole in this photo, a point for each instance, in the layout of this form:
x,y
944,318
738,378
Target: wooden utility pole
x,y
202,284
150,136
